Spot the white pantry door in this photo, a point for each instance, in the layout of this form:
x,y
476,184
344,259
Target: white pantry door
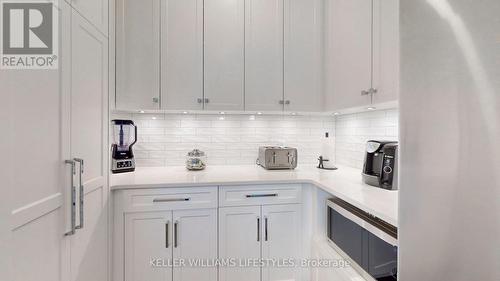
x,y
281,240
89,121
239,239
195,239
95,11
32,223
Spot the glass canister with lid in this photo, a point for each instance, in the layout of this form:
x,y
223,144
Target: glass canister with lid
x,y
196,160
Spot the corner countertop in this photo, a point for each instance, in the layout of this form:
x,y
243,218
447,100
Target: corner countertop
x,y
344,183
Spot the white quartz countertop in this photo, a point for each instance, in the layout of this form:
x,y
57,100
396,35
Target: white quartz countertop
x,y
344,183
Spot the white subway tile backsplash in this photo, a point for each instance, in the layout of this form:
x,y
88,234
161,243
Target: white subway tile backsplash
x,y
164,123
149,162
352,131
150,131
195,124
165,139
226,124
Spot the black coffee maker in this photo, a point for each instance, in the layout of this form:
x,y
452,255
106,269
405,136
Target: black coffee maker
x,y
124,137
381,164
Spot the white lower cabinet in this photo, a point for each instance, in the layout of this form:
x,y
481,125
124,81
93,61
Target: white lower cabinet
x,y
282,241
270,232
146,238
156,230
239,239
157,242
195,240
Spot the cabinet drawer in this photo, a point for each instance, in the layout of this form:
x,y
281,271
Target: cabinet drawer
x,y
245,195
169,199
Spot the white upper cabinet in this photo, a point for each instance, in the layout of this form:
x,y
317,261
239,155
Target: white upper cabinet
x,y
349,51
138,54
386,50
303,55
224,54
362,52
264,55
95,11
256,55
182,54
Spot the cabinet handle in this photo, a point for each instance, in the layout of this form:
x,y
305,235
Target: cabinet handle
x,y
73,198
207,100
258,229
370,91
199,100
166,233
176,228
281,102
81,192
265,229
261,195
287,102
156,100
159,200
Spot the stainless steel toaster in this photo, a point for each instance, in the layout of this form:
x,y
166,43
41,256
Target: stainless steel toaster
x,y
277,157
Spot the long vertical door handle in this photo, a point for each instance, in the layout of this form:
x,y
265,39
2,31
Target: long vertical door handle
x,y
166,234
265,228
258,229
81,192
73,198
176,234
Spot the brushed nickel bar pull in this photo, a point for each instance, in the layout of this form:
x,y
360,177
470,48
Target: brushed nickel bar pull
x,y
258,229
176,228
166,234
81,191
170,200
265,229
73,199
261,195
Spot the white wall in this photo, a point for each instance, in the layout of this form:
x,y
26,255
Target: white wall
x,y
353,130
166,139
449,217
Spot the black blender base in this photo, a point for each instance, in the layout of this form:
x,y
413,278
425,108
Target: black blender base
x,y
123,171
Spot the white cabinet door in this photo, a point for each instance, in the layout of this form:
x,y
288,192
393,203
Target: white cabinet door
x,y
34,178
195,240
239,239
348,53
148,236
95,11
182,54
89,120
302,52
386,50
137,54
224,54
281,240
264,55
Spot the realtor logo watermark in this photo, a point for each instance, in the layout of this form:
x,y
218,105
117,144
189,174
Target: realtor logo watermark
x,y
28,35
